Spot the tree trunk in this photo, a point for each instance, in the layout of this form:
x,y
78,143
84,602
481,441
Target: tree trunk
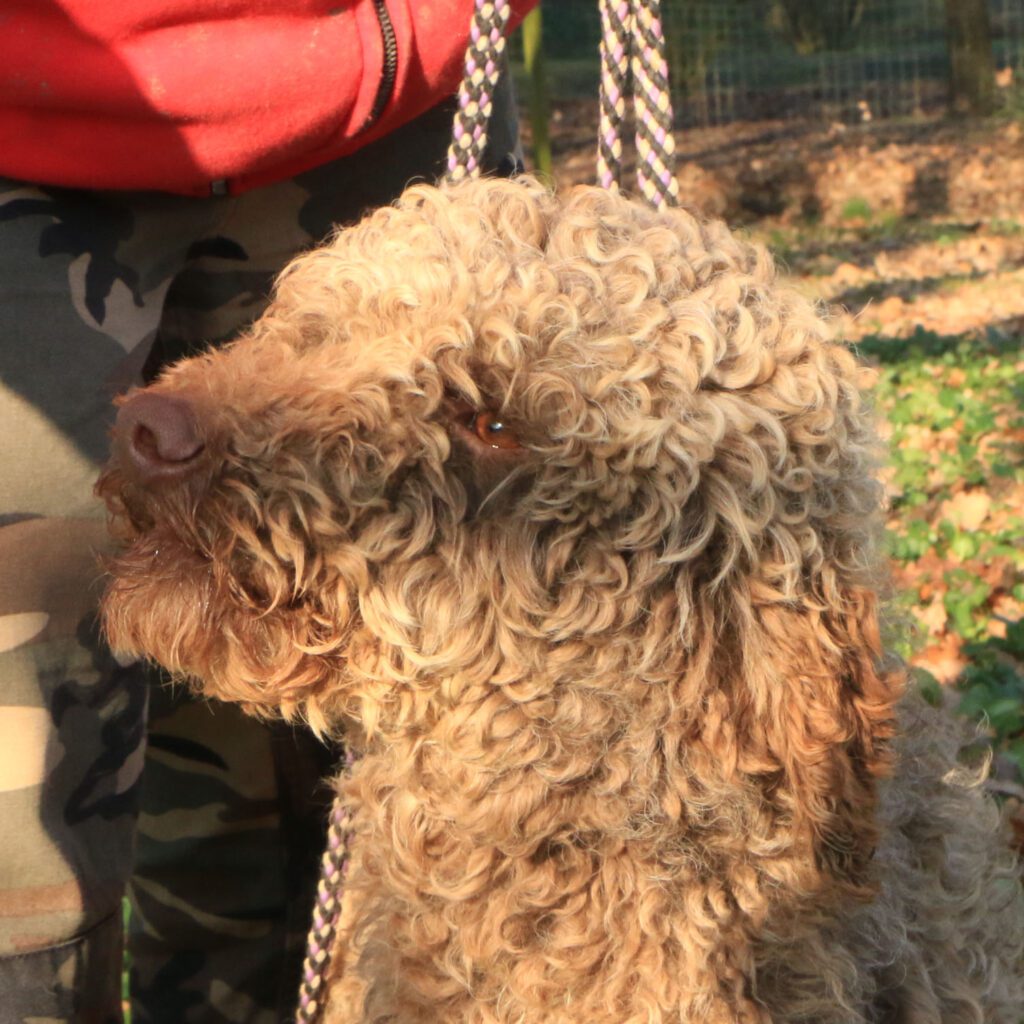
x,y
971,68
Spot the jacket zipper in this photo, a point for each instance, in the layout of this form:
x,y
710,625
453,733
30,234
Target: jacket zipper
x,y
390,69
388,74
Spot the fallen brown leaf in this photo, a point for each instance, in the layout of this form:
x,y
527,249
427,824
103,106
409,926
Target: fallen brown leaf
x,y
932,616
944,659
966,510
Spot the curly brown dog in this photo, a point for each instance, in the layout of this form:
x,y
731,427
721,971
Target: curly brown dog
x,y
564,513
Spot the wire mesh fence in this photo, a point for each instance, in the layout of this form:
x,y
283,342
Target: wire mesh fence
x,y
840,60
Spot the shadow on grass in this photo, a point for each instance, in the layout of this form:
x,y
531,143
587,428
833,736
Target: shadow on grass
x,y
907,289
1002,338
860,245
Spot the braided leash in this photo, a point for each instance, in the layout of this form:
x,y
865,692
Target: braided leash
x,y
632,54
616,45
652,103
633,61
326,911
476,93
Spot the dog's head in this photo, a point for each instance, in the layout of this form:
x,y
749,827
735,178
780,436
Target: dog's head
x,y
490,438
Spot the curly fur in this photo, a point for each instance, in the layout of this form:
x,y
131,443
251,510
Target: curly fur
x,y
625,721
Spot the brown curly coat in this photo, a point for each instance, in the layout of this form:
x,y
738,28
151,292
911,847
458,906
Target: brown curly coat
x,y
625,722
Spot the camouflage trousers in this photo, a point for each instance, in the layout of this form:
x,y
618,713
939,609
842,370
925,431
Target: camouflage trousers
x,y
215,826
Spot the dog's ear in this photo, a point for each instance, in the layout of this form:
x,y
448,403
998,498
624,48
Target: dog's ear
x,y
807,705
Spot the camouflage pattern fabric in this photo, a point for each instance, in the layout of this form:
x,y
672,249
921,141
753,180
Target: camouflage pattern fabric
x,y
97,291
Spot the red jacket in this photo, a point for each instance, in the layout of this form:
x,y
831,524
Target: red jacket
x,y
177,94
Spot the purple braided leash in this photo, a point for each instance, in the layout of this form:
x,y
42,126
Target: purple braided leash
x,y
633,63
326,912
476,93
616,30
652,102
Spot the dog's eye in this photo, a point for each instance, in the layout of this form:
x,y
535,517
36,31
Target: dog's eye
x,y
492,431
482,426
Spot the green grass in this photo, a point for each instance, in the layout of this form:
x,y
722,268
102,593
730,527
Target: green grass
x,y
955,407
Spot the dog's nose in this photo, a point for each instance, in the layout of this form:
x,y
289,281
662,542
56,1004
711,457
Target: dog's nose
x,y
157,436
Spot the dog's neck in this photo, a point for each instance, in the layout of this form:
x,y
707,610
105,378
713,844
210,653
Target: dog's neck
x,y
539,765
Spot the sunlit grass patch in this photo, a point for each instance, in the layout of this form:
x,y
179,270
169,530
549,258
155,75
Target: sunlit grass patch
x,y
953,408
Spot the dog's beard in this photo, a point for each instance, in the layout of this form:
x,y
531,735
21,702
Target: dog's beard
x,y
159,603
219,613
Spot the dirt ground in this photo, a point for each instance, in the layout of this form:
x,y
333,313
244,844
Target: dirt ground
x,y
799,169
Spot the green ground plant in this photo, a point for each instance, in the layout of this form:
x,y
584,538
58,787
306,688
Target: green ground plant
x,y
954,407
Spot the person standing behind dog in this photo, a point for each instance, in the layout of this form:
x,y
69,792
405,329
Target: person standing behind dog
x,y
159,164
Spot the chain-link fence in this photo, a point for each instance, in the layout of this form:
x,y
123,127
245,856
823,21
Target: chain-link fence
x,y
840,60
